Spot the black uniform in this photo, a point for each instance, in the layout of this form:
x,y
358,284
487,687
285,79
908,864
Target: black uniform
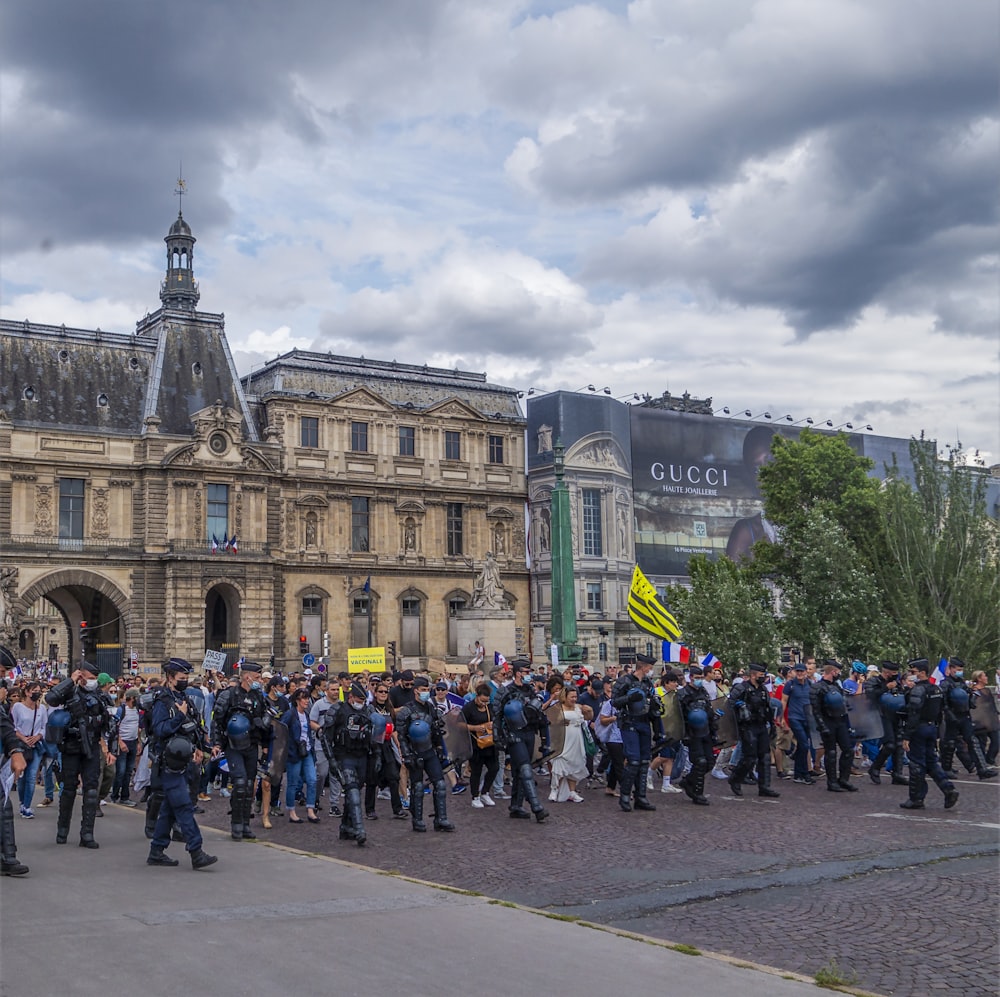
x,y
639,712
81,756
924,710
699,738
424,761
829,707
519,744
383,771
751,705
11,745
242,754
958,736
891,706
347,740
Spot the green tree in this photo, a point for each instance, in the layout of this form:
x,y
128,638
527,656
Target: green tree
x,y
942,578
727,611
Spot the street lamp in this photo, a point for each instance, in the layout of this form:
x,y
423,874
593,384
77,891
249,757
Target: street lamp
x,y
787,418
807,420
725,408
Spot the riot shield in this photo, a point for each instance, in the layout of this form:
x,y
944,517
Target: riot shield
x,y
277,754
864,717
456,736
557,729
984,714
725,722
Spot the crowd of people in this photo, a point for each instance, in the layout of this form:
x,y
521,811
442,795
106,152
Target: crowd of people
x,y
274,745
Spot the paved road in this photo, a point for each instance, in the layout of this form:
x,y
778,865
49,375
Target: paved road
x,y
908,902
268,920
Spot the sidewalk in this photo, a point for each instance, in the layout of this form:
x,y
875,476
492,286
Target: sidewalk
x,y
97,922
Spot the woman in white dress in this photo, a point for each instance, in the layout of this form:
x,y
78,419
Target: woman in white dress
x,y
570,765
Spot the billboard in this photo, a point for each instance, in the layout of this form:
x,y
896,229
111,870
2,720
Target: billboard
x,y
694,483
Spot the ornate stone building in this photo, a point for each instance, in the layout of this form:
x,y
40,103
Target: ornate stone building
x,y
152,504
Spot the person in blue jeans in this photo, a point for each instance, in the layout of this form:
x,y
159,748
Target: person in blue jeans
x,y
29,720
301,764
795,700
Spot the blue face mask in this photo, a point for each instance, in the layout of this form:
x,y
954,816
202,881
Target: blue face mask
x,y
699,682
424,696
958,674
255,686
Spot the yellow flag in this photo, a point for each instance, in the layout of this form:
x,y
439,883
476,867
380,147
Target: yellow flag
x,y
645,611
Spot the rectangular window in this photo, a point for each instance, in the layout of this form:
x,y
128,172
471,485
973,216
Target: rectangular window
x,y
359,437
452,445
218,512
312,606
411,607
496,450
309,432
593,541
595,600
455,529
359,524
71,508
407,441
361,605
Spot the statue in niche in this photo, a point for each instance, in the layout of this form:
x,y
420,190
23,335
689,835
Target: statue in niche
x,y
488,592
311,528
409,536
499,543
544,531
8,582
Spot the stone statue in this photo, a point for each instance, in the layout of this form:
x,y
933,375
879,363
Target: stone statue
x,y
544,531
409,535
544,439
488,593
8,582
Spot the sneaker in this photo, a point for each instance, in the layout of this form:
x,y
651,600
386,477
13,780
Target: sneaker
x,y
104,803
719,774
667,788
383,794
576,797
501,795
26,813
47,802
336,812
804,781
487,800
225,794
478,803
129,803
204,797
458,788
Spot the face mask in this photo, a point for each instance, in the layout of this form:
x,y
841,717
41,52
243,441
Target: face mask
x,y
698,682
424,696
181,685
255,686
959,674
90,685
35,696
356,706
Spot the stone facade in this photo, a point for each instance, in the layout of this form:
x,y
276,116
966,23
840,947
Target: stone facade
x,y
123,455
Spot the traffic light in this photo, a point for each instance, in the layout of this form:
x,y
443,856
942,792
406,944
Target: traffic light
x,y
392,649
83,628
303,645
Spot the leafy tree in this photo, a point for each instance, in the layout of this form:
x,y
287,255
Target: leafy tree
x,y
941,581
727,611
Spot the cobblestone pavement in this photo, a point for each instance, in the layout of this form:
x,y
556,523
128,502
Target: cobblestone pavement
x,y
906,902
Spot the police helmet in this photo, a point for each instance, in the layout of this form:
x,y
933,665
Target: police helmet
x,y
420,734
513,712
698,721
177,754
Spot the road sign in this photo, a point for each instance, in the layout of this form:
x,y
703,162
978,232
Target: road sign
x,y
309,660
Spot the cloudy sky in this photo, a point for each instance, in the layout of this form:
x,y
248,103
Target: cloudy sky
x,y
789,206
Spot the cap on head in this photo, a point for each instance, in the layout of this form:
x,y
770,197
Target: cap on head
x,y
177,665
520,665
645,659
357,691
104,679
597,682
132,693
755,667
919,665
889,666
442,686
420,682
956,663
800,666
250,666
696,670
90,668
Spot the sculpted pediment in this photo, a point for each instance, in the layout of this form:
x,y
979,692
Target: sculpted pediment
x,y
361,398
455,408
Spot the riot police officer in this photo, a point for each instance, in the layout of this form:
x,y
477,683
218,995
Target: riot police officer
x,y
751,705
519,716
700,734
829,707
178,744
639,710
347,740
421,743
84,749
958,736
240,723
924,711
886,694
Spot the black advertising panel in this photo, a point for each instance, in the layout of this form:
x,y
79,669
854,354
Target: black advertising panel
x,y
694,482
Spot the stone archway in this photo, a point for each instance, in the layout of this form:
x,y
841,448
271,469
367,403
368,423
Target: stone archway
x,y
83,596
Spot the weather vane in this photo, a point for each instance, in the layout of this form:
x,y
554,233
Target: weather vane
x,y
181,189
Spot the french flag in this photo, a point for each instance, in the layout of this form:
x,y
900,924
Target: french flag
x,y
499,661
215,543
938,674
679,653
709,662
233,546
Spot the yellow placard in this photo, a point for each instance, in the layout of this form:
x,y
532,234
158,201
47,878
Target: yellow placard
x,y
370,659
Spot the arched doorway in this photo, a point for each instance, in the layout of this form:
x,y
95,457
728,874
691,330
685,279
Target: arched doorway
x,y
95,613
222,621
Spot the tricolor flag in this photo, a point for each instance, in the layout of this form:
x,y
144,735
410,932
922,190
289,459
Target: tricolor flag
x,y
225,540
709,662
215,543
232,544
938,674
678,653
645,611
499,661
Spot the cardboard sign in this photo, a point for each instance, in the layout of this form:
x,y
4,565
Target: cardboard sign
x,y
214,660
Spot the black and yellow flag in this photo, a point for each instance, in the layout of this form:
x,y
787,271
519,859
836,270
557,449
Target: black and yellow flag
x,y
645,611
